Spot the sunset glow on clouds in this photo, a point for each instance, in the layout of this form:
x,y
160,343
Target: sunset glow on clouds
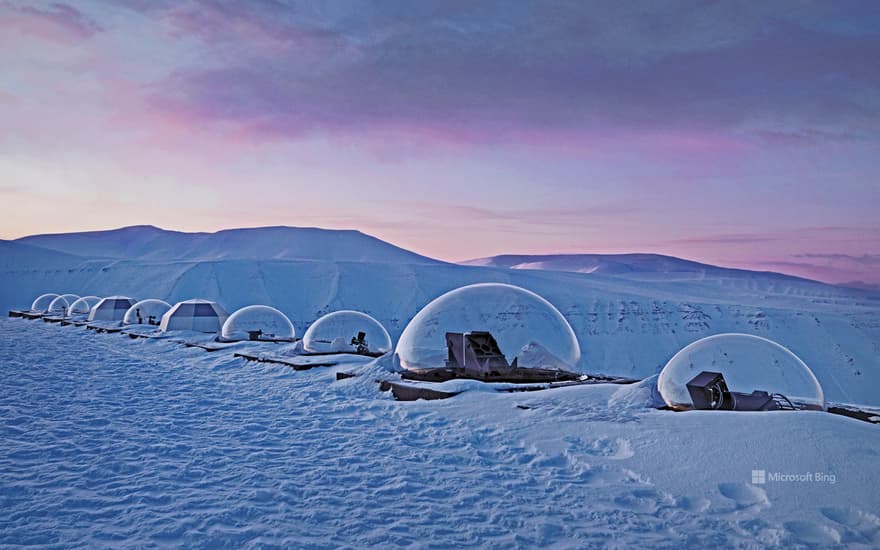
x,y
742,135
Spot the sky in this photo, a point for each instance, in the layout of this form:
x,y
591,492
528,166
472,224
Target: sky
x,y
744,134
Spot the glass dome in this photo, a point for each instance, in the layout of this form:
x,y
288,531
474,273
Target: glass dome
x,y
42,302
258,323
487,323
61,304
83,305
146,312
347,332
738,372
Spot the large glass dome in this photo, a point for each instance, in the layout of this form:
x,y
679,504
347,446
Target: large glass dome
x,y
42,302
146,312
83,305
347,332
488,323
738,372
258,323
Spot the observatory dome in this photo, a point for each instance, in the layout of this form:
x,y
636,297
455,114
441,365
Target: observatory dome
x,y
61,304
258,323
738,372
493,322
42,302
146,312
83,305
347,332
196,314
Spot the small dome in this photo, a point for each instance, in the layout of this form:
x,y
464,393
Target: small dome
x,y
505,322
61,304
347,332
258,323
42,302
723,371
83,305
146,312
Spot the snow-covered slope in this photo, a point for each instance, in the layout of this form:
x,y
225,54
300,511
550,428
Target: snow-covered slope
x,y
625,326
287,243
111,442
14,255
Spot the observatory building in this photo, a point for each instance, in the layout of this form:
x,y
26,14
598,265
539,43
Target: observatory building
x,y
196,315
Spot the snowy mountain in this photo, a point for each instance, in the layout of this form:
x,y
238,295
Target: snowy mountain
x,y
626,265
145,242
626,325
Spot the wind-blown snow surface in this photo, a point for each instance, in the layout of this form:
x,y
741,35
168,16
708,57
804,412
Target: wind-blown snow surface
x,y
627,323
108,441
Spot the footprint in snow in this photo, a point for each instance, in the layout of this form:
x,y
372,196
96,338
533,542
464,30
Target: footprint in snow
x,y
857,525
811,533
745,495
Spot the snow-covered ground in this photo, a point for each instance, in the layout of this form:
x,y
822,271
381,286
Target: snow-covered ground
x,y
108,441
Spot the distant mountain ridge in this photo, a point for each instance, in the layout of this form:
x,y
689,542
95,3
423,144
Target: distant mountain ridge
x,y
635,264
146,242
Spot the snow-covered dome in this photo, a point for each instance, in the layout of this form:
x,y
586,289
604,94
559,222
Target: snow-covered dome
x,y
111,308
42,302
146,312
347,332
61,304
196,315
258,323
489,323
746,364
83,306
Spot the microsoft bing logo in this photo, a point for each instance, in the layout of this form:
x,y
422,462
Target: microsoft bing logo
x,y
759,477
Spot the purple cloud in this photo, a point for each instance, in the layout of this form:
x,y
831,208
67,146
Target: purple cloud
x,y
485,72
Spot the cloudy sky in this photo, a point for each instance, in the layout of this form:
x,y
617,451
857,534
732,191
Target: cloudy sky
x,y
739,133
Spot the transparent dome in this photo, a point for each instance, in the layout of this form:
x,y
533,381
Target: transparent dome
x,y
258,323
83,305
738,372
61,304
146,312
492,325
42,302
347,332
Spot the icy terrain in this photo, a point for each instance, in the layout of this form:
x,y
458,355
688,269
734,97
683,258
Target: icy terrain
x,y
107,440
629,320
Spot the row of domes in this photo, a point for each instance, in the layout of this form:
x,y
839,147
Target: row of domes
x,y
340,331
520,325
